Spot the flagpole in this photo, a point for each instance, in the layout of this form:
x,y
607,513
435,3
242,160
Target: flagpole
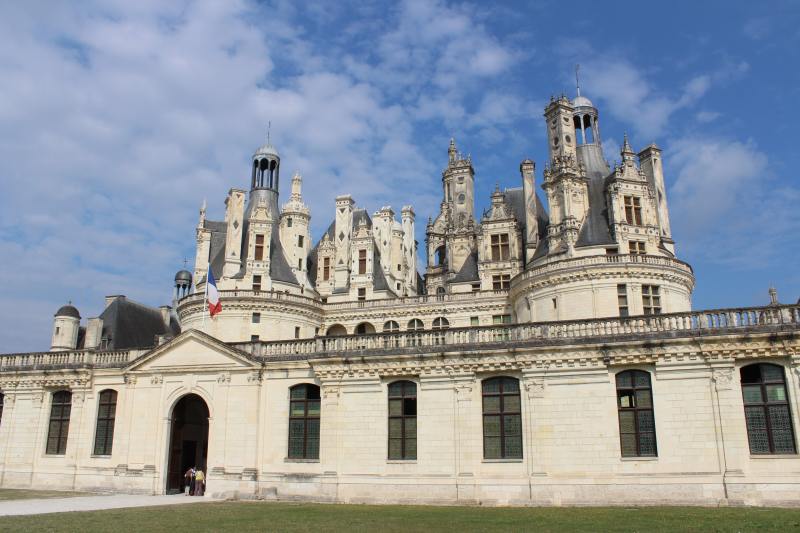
x,y
205,300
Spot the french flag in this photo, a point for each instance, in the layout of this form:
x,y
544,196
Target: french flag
x,y
212,295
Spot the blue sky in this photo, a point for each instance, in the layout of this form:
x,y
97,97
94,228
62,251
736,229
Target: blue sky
x,y
118,118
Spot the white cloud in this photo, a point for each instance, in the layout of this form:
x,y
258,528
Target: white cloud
x,y
727,206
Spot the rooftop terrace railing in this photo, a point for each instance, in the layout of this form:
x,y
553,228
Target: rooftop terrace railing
x,y
600,260
675,324
708,322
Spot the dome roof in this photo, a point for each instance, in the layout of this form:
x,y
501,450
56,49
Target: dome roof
x,y
582,101
68,310
267,149
183,275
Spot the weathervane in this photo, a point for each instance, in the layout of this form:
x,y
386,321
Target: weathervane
x,y
577,78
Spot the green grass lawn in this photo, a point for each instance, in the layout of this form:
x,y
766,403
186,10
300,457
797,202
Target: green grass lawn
x,y
261,516
25,494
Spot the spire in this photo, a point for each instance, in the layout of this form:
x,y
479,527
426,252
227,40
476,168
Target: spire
x,y
297,185
626,152
577,79
452,151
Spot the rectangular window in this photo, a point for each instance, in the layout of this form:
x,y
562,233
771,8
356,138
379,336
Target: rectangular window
x,y
289,222
297,332
501,319
637,426
362,294
253,338
104,432
766,409
399,268
476,287
59,423
256,318
403,420
474,321
502,419
300,241
651,299
633,210
501,282
256,283
259,256
362,261
611,251
299,264
636,247
304,414
326,269
500,250
622,299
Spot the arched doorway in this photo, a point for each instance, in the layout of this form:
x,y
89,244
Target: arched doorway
x,y
188,442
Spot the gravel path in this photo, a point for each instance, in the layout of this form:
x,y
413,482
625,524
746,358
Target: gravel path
x,y
93,503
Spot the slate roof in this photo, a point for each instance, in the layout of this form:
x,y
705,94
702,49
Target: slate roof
x,y
595,230
515,199
469,270
128,324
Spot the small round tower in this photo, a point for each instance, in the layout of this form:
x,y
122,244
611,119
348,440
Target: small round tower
x,y
66,325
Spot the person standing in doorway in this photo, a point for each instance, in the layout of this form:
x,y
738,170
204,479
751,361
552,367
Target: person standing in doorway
x,y
190,480
199,482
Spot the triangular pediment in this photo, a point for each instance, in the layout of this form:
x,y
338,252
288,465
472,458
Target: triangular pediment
x,y
193,350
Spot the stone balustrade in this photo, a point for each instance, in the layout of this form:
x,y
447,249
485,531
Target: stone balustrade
x,y
682,324
602,260
68,359
708,322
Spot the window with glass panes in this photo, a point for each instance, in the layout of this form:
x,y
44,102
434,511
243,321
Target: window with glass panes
x,y
637,426
362,261
58,430
502,419
636,247
500,251
501,282
256,283
403,420
633,210
651,299
622,299
766,409
259,255
326,269
106,412
304,415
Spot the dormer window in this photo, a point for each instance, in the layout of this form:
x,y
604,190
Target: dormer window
x,y
500,249
362,261
633,210
259,255
326,269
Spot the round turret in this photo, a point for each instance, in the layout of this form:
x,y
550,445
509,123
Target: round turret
x,y
66,325
68,310
183,284
266,168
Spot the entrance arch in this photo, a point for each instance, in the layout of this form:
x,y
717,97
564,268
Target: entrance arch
x,y
188,441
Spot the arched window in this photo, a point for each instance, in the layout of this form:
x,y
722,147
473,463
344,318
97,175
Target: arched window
x,y
391,327
403,420
502,419
766,409
304,414
637,426
106,412
440,323
415,324
364,328
336,330
59,423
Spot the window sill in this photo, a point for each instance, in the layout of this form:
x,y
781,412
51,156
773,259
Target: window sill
x,y
774,456
643,458
401,461
290,460
93,456
502,460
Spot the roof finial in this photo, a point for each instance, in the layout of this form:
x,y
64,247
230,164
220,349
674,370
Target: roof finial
x,y
185,262
269,127
577,78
